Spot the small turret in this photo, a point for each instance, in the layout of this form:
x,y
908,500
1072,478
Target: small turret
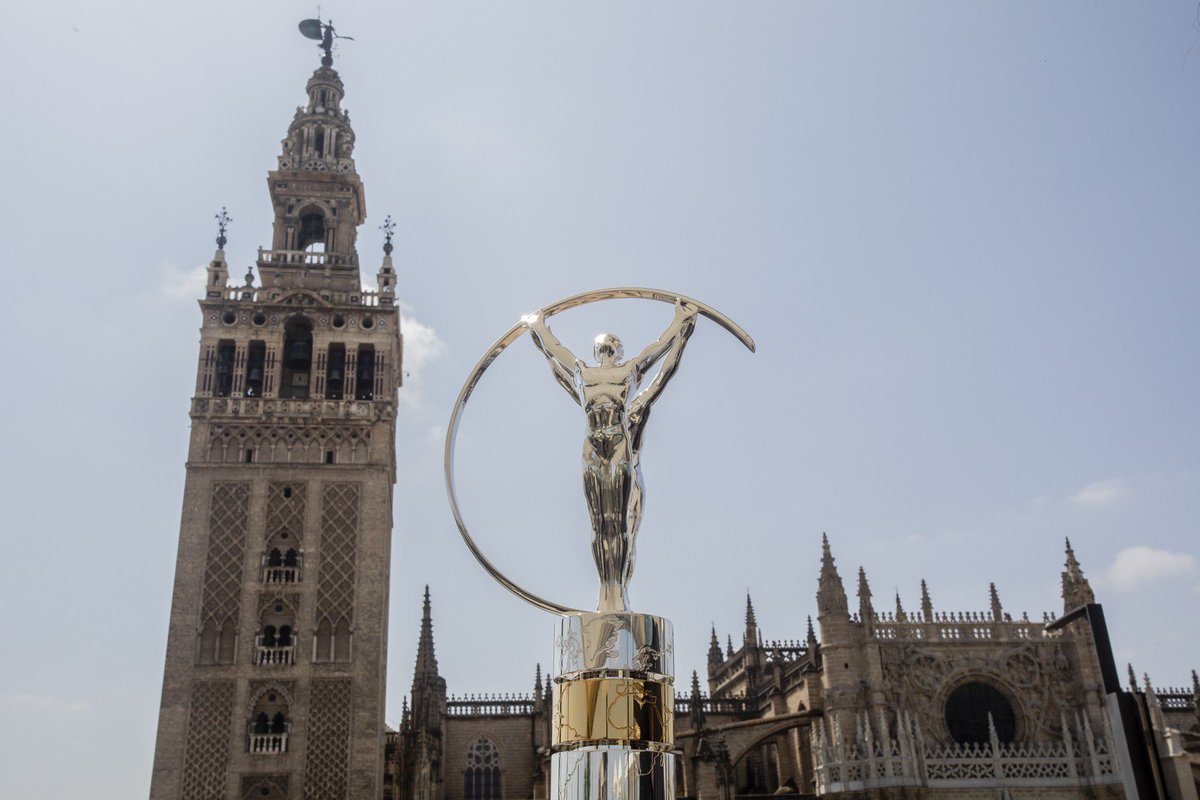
x,y
866,610
926,603
831,594
714,649
810,637
751,634
1076,591
385,279
218,269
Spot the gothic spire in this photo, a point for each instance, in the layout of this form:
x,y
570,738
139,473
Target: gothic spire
x,y
866,609
900,615
714,648
751,622
426,659
831,594
428,687
997,609
926,603
697,703
1076,591
729,645
810,636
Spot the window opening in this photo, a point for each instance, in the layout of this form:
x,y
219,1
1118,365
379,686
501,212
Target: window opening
x,y
335,372
364,378
256,358
297,359
312,230
481,780
967,710
225,355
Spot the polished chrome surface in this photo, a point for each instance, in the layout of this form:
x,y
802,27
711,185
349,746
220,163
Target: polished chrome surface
x,y
627,641
616,413
612,773
616,408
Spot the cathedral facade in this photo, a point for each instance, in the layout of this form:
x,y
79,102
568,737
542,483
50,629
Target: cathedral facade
x,y
274,678
870,703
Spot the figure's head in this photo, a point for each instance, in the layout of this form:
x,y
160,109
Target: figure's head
x,y
608,350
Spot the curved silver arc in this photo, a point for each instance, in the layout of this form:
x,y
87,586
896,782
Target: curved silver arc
x,y
498,347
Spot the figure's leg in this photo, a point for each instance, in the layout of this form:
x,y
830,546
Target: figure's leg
x,y
633,520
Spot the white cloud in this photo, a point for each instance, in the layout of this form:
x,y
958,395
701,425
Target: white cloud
x,y
422,347
1135,566
44,702
1102,493
184,284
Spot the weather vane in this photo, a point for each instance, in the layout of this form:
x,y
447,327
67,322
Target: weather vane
x,y
324,33
223,219
388,227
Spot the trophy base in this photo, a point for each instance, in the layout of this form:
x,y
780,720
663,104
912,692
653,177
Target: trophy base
x,y
613,727
612,773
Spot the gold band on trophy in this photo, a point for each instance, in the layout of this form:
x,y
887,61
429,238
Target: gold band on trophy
x,y
613,711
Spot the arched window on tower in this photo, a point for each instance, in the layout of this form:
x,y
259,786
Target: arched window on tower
x,y
216,643
282,560
481,780
297,359
312,233
275,644
269,725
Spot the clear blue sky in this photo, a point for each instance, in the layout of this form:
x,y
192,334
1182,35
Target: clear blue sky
x,y
963,235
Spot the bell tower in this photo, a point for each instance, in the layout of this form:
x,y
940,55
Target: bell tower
x,y
275,667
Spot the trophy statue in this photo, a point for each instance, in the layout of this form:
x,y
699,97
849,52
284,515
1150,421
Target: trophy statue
x,y
612,729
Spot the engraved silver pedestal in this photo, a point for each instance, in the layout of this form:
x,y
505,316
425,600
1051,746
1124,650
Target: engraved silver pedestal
x,y
613,727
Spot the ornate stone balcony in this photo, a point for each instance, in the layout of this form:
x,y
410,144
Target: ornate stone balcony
x,y
267,743
265,408
277,574
273,655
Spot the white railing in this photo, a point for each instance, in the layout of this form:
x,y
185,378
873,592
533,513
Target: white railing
x,y
861,761
278,574
305,257
274,655
268,407
268,743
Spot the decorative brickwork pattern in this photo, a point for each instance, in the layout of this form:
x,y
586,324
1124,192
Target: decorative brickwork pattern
x,y
208,741
282,444
339,545
325,765
227,520
285,510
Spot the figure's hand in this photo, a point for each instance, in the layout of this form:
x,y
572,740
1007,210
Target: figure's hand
x,y
684,309
532,319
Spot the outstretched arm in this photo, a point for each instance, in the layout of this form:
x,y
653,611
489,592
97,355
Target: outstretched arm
x,y
562,361
681,326
641,404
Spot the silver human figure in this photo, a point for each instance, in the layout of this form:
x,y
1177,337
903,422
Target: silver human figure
x,y
616,414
